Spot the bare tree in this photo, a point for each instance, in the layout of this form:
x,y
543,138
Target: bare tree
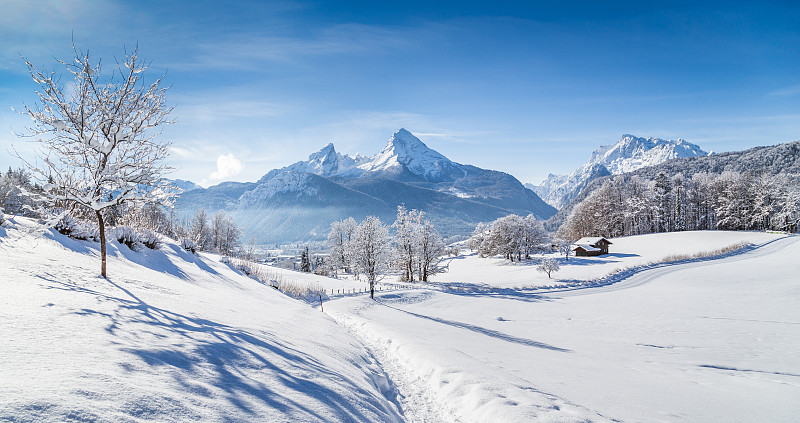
x,y
225,234
548,265
339,240
429,249
98,146
371,249
406,225
200,231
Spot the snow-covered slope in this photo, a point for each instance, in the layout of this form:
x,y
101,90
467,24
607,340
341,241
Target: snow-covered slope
x,y
170,337
628,154
470,270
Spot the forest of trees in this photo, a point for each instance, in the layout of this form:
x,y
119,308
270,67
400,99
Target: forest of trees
x,y
631,205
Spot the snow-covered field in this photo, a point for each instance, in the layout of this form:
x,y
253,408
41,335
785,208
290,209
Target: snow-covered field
x,y
625,252
715,340
176,337
169,337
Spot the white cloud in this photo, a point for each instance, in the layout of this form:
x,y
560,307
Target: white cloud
x,y
228,166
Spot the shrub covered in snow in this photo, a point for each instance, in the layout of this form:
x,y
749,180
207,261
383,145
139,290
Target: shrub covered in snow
x,y
189,245
2,218
136,238
126,235
149,239
67,225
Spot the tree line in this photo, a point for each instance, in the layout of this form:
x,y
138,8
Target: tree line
x,y
631,205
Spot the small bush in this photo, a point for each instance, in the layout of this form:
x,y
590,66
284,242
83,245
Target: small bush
x,y
704,254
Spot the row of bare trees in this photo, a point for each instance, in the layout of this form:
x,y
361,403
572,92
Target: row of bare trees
x,y
367,248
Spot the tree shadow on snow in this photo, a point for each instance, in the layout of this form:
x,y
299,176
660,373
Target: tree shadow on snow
x,y
470,289
78,246
151,259
482,330
207,350
191,258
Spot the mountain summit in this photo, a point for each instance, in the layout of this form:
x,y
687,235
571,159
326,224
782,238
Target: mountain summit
x,y
626,155
405,155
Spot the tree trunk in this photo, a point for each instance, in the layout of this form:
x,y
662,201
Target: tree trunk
x,y
372,289
102,227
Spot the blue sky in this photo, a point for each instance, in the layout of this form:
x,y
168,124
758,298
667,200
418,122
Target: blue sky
x,y
528,88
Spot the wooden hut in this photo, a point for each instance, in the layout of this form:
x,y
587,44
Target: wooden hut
x,y
591,246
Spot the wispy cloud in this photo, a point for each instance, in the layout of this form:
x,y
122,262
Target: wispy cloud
x,y
223,110
40,29
787,91
251,51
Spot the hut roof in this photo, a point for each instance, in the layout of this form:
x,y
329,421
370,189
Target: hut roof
x,y
591,240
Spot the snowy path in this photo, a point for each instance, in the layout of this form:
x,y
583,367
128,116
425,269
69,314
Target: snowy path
x,y
715,340
417,402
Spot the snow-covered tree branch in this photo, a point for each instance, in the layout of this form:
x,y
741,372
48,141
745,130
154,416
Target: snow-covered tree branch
x,y
97,135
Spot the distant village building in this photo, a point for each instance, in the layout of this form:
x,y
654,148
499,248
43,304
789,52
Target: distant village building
x,y
591,246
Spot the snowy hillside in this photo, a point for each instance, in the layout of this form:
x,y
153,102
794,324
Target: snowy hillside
x,y
628,154
169,337
175,337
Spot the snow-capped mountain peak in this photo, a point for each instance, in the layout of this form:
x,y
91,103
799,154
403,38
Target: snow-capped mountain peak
x,y
327,162
404,151
631,153
626,155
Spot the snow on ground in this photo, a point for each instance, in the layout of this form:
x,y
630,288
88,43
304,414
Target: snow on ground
x,y
345,284
470,269
175,337
169,337
715,340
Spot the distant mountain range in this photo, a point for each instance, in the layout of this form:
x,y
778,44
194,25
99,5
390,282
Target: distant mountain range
x,y
769,160
298,202
628,154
